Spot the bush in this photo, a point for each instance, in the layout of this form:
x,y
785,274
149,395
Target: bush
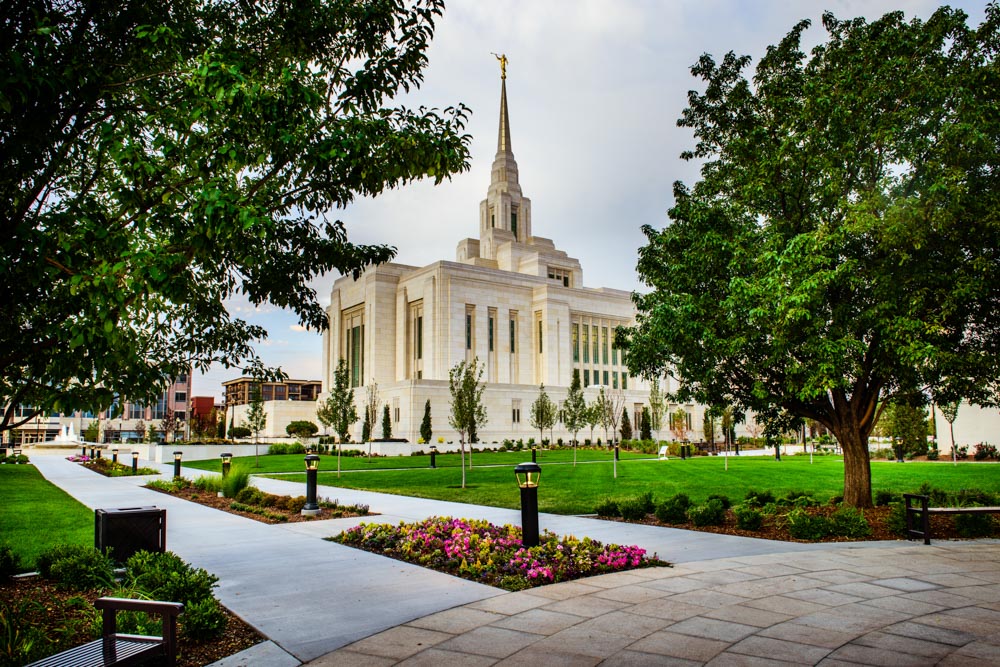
x,y
237,480
849,522
632,509
302,429
238,432
804,526
974,525
984,451
164,576
748,517
208,484
250,496
836,499
10,562
759,498
77,567
935,497
933,455
896,521
674,509
726,503
608,507
883,497
709,514
972,497
202,619
277,449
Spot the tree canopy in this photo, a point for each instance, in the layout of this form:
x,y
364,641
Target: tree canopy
x,y
543,413
467,410
161,159
338,409
841,246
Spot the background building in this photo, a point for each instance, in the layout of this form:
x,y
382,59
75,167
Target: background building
x,y
284,402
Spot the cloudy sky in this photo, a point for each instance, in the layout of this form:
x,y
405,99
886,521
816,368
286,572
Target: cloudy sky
x,y
594,89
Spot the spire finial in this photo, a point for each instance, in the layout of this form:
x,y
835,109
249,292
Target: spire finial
x,y
503,64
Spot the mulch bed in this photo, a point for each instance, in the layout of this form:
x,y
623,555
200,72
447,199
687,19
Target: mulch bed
x,y
62,615
212,500
942,527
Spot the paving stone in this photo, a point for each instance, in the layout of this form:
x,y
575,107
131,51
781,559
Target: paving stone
x,y
538,621
435,657
867,655
839,576
639,659
981,593
587,606
706,598
719,577
804,634
563,591
456,621
930,633
399,642
956,660
976,614
668,608
905,584
862,589
632,594
785,605
981,650
511,603
903,605
490,641
778,649
832,620
824,597
676,645
953,580
981,629
761,588
941,597
585,640
727,659
771,570
624,624
533,656
614,580
348,658
739,613
711,628
676,584
912,645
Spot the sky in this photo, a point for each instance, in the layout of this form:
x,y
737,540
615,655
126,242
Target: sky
x,y
594,90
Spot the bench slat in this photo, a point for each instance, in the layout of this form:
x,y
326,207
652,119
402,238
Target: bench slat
x,y
91,654
963,510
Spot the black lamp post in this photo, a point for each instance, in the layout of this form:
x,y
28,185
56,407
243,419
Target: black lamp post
x,y
527,475
616,451
533,459
92,454
83,450
434,451
227,460
177,463
311,508
114,455
135,462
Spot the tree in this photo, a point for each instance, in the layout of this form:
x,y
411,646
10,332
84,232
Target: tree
x,y
656,407
169,424
256,419
302,429
604,412
467,409
645,429
386,423
679,424
220,426
140,429
543,413
425,426
905,421
338,410
708,426
592,417
840,246
950,412
93,431
574,409
372,403
366,432
151,433
626,429
160,159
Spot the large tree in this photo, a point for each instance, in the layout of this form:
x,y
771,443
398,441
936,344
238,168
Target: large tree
x,y
467,409
159,159
843,243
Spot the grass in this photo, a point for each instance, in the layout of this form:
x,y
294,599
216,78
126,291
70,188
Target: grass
x,y
36,515
294,462
568,490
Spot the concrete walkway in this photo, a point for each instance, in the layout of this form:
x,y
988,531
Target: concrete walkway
x,y
730,600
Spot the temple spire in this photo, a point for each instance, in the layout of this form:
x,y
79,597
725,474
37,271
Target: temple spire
x,y
503,136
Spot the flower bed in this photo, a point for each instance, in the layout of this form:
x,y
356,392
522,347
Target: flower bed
x,y
494,555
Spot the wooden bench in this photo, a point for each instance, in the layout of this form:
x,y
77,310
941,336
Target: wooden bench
x,y
119,649
925,513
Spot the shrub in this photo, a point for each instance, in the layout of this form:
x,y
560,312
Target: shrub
x,y
646,500
633,509
935,497
804,526
758,498
970,497
748,517
302,429
674,509
726,503
984,451
709,514
10,562
250,496
836,499
933,455
883,497
237,432
850,522
212,484
607,507
962,452
278,449
202,619
295,504
896,521
165,576
296,448
974,525
77,567
237,480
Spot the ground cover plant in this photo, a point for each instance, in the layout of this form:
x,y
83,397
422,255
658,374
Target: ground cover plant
x,y
566,489
251,502
494,555
108,468
43,615
27,501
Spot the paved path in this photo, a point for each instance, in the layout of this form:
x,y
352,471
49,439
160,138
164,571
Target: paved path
x,y
730,600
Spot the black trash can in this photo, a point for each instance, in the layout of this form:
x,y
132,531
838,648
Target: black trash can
x,y
127,530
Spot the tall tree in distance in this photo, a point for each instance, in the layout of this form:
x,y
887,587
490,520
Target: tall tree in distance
x,y
161,160
256,419
426,433
626,428
657,407
386,423
645,429
950,412
575,409
543,414
467,409
840,247
373,401
338,410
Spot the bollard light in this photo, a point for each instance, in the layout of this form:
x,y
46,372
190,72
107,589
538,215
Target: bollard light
x,y
311,508
114,455
533,458
83,450
528,476
434,451
227,460
92,454
135,462
177,463
616,452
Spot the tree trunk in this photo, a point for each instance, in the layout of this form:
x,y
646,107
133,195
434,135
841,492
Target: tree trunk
x,y
857,469
461,444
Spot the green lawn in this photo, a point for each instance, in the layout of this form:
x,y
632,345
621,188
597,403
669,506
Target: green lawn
x,y
295,462
36,515
568,490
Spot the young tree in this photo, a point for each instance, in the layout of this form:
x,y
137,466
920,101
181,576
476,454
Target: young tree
x,y
950,412
592,417
574,409
679,424
338,410
256,420
220,426
169,424
93,431
386,423
425,426
604,412
626,429
543,413
161,159
467,409
140,429
708,426
657,407
151,433
645,428
840,246
373,401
